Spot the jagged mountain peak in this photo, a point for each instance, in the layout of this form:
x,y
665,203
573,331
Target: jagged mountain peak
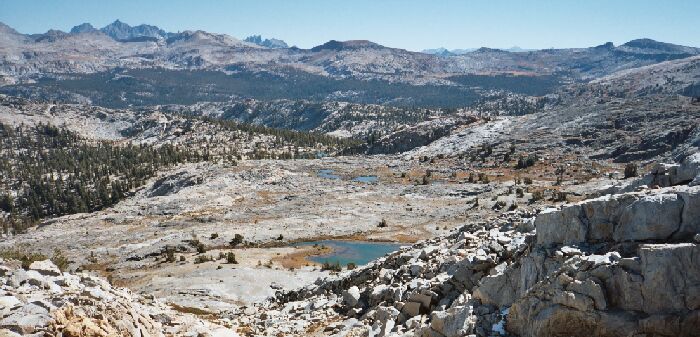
x,y
116,25
121,31
83,28
269,43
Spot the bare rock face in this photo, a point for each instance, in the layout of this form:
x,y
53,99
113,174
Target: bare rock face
x,y
456,321
690,217
636,271
670,271
172,184
650,217
669,213
550,230
689,170
594,296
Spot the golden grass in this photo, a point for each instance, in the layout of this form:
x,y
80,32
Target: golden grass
x,y
300,259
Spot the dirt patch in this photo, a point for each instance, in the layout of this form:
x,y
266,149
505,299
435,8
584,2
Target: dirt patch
x,y
194,311
299,258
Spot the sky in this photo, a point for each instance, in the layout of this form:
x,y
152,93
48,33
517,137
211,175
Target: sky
x,y
408,24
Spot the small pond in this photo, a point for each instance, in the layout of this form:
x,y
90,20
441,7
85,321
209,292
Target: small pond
x,y
367,179
328,174
358,252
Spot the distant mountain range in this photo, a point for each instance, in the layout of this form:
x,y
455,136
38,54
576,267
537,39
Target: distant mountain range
x,y
119,56
124,32
445,52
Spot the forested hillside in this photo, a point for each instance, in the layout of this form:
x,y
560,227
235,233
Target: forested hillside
x,y
49,171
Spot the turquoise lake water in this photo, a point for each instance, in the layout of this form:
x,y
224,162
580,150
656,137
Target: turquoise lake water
x,y
357,252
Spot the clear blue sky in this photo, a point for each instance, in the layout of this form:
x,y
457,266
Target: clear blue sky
x,y
409,24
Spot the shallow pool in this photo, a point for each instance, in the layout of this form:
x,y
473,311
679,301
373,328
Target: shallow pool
x,y
328,174
358,252
367,179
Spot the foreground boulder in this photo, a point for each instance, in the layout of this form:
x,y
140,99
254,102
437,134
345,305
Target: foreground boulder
x,y
43,301
45,267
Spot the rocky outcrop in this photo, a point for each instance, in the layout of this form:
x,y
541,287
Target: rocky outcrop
x,y
650,215
655,293
618,265
43,301
172,184
687,172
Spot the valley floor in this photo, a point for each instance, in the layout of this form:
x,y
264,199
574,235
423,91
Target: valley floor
x,y
272,204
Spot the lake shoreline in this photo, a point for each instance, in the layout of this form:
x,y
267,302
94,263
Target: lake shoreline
x,y
345,252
